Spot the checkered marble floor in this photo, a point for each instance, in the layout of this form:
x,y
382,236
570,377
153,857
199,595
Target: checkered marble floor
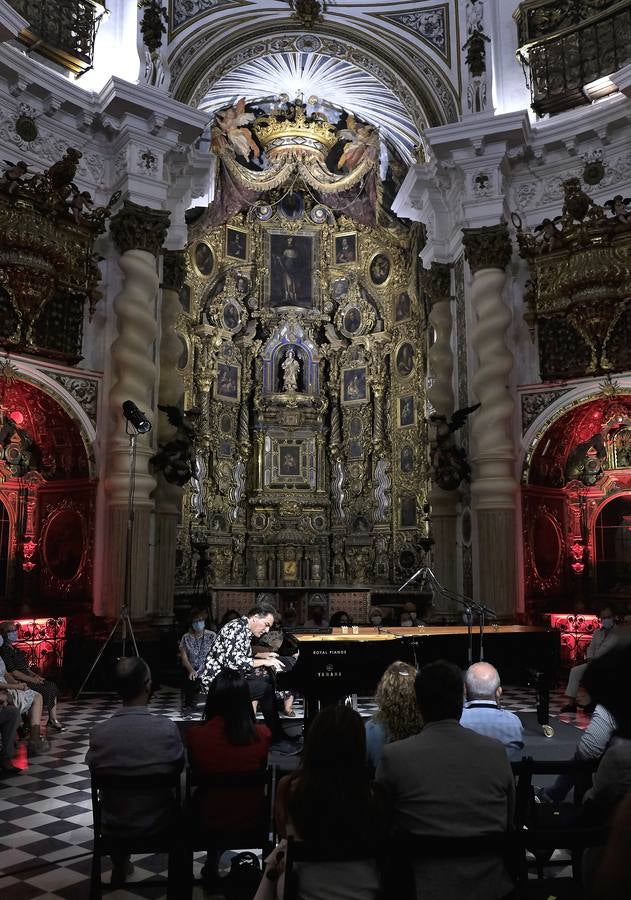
x,y
46,817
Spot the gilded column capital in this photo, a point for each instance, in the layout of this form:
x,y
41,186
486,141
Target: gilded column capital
x,y
136,227
489,247
437,282
173,270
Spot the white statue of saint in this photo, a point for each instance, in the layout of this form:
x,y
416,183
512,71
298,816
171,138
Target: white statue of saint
x,y
291,368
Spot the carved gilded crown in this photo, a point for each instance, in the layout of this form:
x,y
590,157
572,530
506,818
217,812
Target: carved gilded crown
x,y
295,132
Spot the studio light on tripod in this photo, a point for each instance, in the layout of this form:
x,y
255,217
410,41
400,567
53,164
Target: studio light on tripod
x,y
135,417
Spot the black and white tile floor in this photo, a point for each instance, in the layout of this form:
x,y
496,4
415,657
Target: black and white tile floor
x,y
46,817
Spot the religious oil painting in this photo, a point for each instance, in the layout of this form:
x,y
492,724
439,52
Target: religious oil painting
x,y
204,259
227,382
64,544
290,263
406,460
407,511
407,411
379,269
352,320
339,288
402,307
354,385
236,244
288,459
231,317
242,284
404,360
345,249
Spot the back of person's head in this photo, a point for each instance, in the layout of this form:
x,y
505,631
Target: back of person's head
x,y
341,617
482,682
229,697
132,678
439,691
331,801
396,699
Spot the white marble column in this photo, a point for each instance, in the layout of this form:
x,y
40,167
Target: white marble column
x,y
139,233
494,486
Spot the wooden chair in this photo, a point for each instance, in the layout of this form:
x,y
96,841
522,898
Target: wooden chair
x,y
543,828
301,851
169,842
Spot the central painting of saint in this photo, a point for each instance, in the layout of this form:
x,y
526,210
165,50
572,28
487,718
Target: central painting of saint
x,y
291,269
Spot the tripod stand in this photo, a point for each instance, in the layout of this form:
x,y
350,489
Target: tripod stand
x,y
123,617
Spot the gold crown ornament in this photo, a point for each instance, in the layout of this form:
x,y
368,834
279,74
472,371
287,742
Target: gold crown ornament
x,y
293,132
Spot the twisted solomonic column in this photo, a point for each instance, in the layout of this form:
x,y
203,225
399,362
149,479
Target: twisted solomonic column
x,y
167,496
138,233
436,283
494,486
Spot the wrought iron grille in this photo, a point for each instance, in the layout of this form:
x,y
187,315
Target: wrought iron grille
x,y
562,55
62,30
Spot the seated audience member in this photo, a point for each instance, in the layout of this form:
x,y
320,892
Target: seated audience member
x,y
17,665
409,616
340,618
329,802
375,616
194,648
397,716
9,724
482,712
448,781
317,619
28,703
598,735
233,650
133,741
603,639
228,741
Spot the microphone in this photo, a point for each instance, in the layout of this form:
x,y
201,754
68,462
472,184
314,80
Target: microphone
x,y
137,418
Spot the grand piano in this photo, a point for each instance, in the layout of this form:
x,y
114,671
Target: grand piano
x,y
336,664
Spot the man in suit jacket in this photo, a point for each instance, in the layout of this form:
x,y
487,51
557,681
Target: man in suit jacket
x,y
449,781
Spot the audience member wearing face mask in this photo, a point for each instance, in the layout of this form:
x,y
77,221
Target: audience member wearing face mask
x,y
604,639
194,648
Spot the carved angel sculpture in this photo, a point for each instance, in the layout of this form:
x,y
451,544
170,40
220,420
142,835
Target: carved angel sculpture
x,y
363,141
13,175
449,462
176,458
231,131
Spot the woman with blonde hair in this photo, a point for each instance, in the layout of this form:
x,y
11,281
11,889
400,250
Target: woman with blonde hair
x,y
397,716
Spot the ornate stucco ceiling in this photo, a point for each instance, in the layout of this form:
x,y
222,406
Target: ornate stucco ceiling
x,y
390,63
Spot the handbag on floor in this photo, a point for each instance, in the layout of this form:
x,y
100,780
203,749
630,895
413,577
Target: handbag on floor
x,y
244,877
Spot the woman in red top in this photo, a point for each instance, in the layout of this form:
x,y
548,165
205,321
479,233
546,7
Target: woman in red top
x,y
227,741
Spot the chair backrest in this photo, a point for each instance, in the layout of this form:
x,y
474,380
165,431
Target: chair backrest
x,y
528,767
108,779
302,851
228,781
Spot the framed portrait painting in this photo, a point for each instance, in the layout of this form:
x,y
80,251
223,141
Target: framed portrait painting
x,y
379,269
407,411
402,308
289,460
290,263
237,243
354,385
404,359
204,259
227,384
231,316
345,249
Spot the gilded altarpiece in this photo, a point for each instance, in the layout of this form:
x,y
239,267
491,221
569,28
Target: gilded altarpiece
x,y
303,355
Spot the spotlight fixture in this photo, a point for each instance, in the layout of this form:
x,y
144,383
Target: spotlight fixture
x,y
135,417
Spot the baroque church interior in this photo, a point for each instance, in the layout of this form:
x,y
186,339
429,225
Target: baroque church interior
x,y
300,298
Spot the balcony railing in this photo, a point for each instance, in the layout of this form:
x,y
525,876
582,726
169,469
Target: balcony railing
x,y
568,47
63,31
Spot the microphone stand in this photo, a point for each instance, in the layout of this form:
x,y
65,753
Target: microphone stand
x,y
467,603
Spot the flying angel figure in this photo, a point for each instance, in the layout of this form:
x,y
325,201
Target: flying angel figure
x,y
363,140
231,127
13,175
445,428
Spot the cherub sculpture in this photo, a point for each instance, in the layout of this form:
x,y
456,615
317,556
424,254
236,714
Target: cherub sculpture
x,y
61,174
548,233
230,131
80,200
13,175
620,208
362,142
449,462
176,458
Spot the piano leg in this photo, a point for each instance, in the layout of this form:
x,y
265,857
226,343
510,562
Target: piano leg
x,y
539,681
